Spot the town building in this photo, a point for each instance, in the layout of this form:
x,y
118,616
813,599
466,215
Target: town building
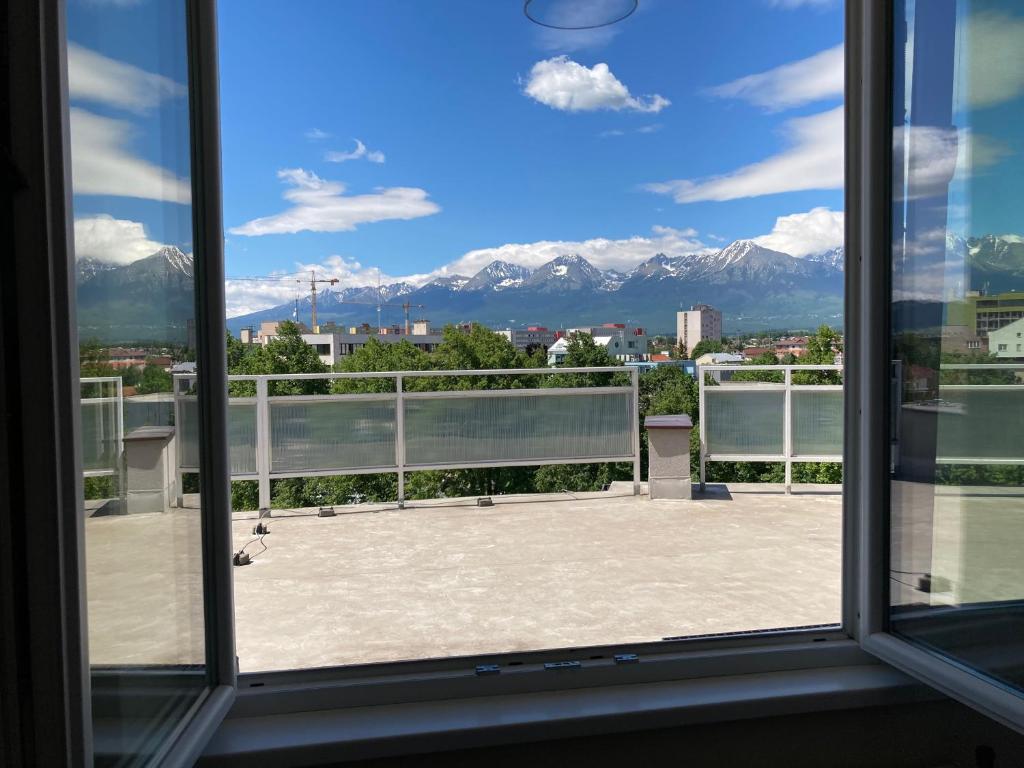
x,y
701,321
980,313
1008,341
624,343
790,345
529,338
334,344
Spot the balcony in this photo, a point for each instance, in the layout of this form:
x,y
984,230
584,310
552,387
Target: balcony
x,y
423,578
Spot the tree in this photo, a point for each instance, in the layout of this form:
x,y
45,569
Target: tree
x,y
821,350
287,353
380,357
154,379
679,352
704,346
583,352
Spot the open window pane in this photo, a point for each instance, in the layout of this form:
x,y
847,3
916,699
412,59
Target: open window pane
x,y
128,69
956,580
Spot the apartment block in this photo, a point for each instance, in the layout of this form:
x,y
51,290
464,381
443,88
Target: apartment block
x,y
701,321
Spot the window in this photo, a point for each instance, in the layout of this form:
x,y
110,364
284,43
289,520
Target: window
x,y
935,593
418,571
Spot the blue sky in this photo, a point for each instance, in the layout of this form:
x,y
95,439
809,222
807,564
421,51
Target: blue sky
x,y
513,134
428,138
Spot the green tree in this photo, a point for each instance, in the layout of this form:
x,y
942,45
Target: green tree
x,y
377,356
154,379
287,353
704,346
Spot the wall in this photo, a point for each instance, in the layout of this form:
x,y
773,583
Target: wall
x,y
941,733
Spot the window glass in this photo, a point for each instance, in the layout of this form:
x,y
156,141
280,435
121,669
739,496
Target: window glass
x,y
957,507
133,239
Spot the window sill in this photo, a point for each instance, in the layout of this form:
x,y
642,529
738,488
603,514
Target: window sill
x,y
326,736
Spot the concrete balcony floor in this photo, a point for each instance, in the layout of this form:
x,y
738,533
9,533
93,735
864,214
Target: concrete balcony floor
x,y
448,578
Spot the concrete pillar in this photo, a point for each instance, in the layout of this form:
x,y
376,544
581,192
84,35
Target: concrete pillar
x,y
668,465
149,469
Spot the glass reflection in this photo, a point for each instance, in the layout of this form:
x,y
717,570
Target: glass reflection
x,y
957,515
129,125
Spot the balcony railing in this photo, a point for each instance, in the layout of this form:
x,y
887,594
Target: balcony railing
x,y
102,416
285,436
768,421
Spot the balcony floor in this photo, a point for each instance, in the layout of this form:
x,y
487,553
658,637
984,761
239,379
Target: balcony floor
x,y
443,578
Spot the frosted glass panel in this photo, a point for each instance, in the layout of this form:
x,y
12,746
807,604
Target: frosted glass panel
x,y
148,411
242,438
742,421
100,445
351,434
981,422
817,423
188,433
517,428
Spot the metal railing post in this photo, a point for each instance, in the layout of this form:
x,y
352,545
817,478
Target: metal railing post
x,y
179,439
400,439
634,376
263,441
702,424
787,429
122,474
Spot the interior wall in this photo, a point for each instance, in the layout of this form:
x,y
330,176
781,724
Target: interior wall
x,y
929,735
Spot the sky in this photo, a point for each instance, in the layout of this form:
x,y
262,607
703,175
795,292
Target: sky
x,y
431,138
419,139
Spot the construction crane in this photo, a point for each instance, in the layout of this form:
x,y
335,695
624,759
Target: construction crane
x,y
313,281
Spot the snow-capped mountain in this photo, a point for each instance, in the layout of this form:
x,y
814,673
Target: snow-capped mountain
x,y
566,273
150,299
497,276
752,284
834,257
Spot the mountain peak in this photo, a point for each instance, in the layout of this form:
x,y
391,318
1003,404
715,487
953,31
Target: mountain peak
x,y
497,276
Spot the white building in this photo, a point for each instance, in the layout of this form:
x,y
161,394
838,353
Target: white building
x,y
624,343
525,339
1008,341
700,322
335,345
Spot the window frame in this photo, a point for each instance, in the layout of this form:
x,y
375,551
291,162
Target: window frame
x,y
393,683
944,674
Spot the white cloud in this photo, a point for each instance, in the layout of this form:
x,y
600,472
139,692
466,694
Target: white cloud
x,y
800,82
993,59
814,161
94,77
245,296
564,84
315,134
360,152
801,234
936,157
601,252
319,205
115,241
101,164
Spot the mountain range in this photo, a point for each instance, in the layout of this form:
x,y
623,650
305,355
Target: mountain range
x,y
755,287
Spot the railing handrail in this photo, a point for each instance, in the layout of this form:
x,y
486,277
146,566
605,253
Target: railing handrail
x,y
408,374
981,366
99,379
755,367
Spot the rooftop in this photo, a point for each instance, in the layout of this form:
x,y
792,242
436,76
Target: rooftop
x,y
447,578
